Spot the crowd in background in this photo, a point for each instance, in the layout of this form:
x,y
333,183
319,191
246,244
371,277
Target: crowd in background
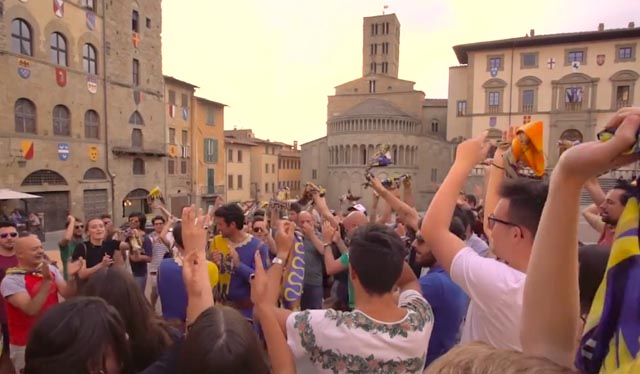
x,y
492,281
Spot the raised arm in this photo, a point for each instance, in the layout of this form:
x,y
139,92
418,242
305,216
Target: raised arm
x,y
323,209
592,216
595,191
266,311
68,232
405,212
373,211
496,176
407,193
195,272
552,275
332,265
435,226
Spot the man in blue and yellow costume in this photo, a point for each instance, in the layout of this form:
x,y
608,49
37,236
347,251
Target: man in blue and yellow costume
x,y
233,250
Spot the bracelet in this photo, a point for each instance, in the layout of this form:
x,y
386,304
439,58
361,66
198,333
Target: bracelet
x,y
499,167
325,245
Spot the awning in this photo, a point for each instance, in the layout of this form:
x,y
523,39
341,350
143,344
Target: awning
x,y
7,194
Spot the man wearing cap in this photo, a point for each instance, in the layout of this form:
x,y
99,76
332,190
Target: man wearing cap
x,y
357,208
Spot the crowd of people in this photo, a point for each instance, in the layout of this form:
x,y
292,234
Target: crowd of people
x,y
490,282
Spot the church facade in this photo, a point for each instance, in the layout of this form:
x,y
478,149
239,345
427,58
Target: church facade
x,y
380,109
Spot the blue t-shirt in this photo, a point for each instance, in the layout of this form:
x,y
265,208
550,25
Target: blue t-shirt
x,y
449,304
171,290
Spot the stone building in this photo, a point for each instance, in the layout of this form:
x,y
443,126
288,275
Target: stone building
x,y
81,119
289,169
264,160
178,100
572,82
208,170
239,187
379,108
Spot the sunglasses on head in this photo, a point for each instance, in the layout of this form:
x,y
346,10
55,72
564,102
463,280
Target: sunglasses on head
x,y
4,235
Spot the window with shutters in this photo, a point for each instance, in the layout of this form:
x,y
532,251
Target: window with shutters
x,y
210,150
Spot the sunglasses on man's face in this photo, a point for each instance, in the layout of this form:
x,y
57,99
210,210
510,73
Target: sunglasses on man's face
x,y
5,235
79,227
257,229
419,239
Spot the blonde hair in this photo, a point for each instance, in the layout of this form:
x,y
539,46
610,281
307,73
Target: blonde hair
x,y
480,358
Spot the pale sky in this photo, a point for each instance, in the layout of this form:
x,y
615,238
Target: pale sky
x,y
275,62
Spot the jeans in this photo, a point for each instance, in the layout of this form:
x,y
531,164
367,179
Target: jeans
x,y
141,281
311,297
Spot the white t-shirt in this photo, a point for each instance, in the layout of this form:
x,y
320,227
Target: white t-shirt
x,y
495,290
329,341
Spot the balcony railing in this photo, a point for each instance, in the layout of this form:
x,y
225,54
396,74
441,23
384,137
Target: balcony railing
x,y
621,103
573,107
494,109
212,190
527,108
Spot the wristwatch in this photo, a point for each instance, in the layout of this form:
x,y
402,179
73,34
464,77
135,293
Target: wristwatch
x,y
277,261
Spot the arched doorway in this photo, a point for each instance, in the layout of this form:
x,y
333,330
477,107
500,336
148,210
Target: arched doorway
x,y
95,200
54,205
136,201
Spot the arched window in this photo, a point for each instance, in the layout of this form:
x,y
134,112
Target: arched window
x,y
61,121
136,138
136,119
44,176
21,41
25,115
89,59
138,166
91,125
58,49
572,135
136,201
94,174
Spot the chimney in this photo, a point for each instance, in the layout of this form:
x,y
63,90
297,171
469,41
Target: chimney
x,y
601,26
632,25
295,145
532,33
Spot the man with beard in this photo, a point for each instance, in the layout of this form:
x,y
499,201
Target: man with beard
x,y
604,213
448,301
233,250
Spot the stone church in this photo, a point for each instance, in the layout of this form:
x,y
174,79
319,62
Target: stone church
x,y
375,109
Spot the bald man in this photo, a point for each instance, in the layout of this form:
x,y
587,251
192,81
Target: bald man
x,y
29,290
335,266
